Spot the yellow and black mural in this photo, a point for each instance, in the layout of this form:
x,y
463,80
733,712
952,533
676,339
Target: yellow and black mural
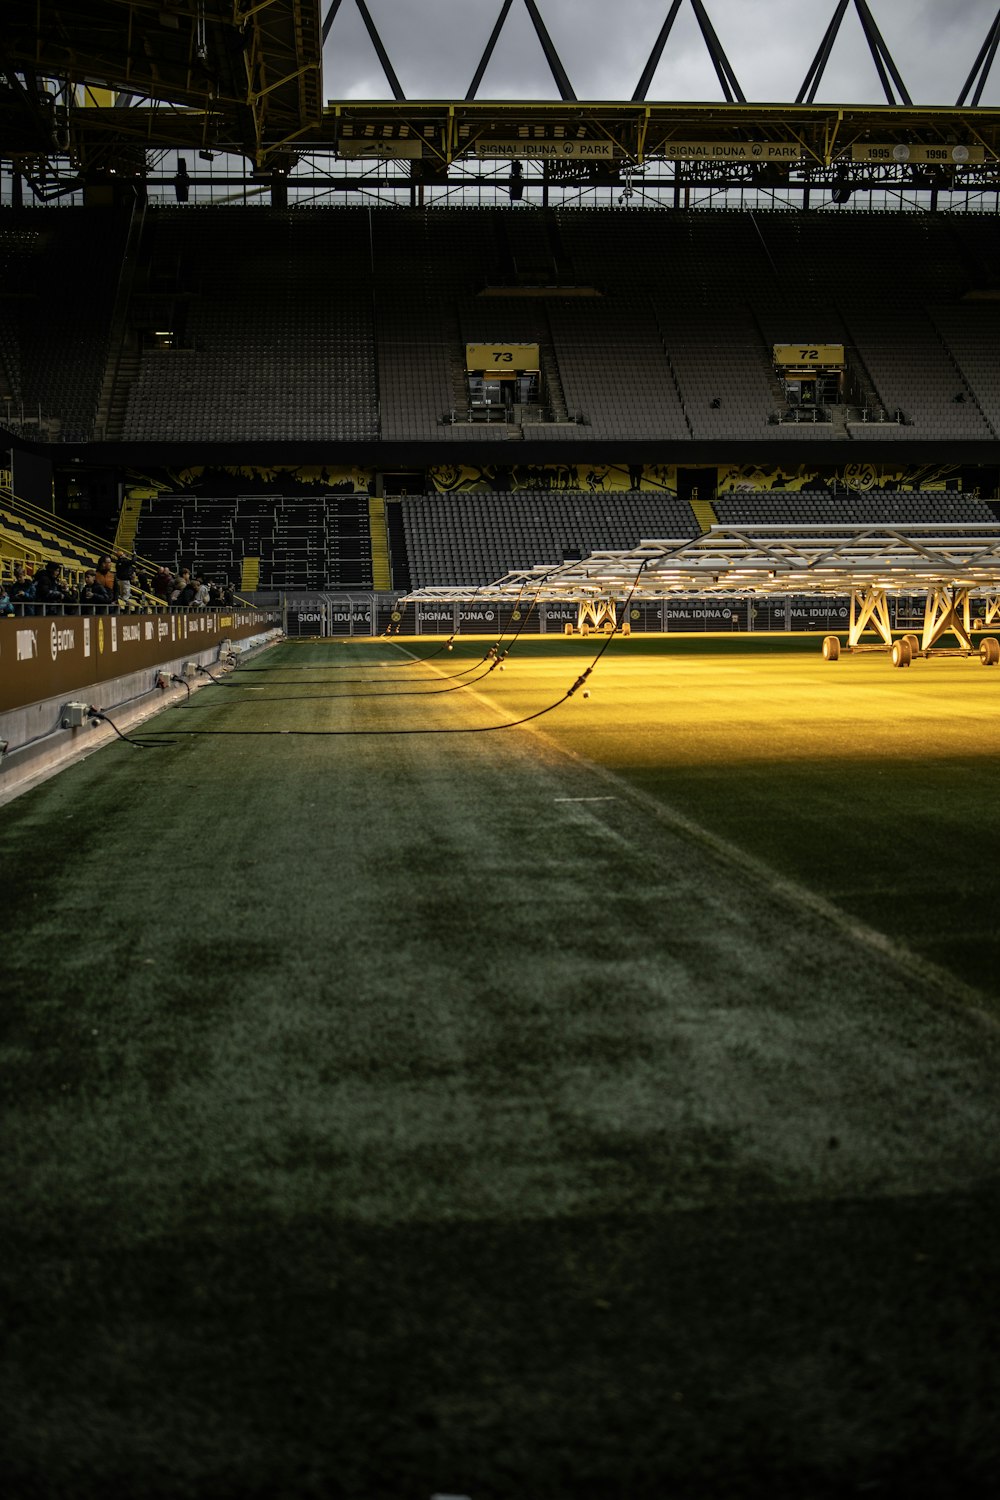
x,y
718,479
248,479
705,481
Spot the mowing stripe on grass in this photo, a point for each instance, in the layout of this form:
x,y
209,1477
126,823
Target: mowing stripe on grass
x,y
947,985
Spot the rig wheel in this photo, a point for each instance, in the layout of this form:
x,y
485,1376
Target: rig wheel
x,y
831,648
900,653
914,641
989,651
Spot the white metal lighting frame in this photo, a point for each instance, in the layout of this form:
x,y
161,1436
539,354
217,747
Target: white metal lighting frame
x,y
950,564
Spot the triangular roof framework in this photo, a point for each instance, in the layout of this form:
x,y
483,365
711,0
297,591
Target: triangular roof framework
x,y
376,40
889,75
982,65
559,74
720,62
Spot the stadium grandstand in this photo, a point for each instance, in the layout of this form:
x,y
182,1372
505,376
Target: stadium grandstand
x,y
599,1102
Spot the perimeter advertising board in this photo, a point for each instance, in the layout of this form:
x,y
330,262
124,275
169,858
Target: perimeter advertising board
x,y
435,619
42,656
349,617
804,612
704,614
643,614
558,615
306,618
820,613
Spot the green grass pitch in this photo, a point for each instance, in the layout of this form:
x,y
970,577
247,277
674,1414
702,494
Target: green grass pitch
x,y
604,1107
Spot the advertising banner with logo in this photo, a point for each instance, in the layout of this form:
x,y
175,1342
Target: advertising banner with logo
x,y
435,619
770,614
556,616
306,617
504,623
642,614
43,656
818,613
704,614
391,619
349,616
521,619
477,618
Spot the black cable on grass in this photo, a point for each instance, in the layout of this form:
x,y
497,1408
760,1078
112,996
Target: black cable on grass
x,y
175,736
322,681
494,655
417,661
96,713
428,691
183,682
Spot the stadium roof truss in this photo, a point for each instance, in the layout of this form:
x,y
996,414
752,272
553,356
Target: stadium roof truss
x,y
97,88
102,81
949,564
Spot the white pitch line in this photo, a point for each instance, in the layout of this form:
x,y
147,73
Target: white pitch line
x,y
585,799
944,986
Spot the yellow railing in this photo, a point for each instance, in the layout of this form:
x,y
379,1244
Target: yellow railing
x,y
128,524
379,535
86,542
24,541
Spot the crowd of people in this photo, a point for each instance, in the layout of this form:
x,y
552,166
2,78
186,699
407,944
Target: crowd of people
x,y
114,585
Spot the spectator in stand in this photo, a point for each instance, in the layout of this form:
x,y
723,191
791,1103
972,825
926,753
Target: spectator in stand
x,y
125,574
183,595
228,594
163,584
21,590
214,595
49,587
201,594
6,608
106,576
93,598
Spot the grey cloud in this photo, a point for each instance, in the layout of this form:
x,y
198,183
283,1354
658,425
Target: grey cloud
x,y
435,46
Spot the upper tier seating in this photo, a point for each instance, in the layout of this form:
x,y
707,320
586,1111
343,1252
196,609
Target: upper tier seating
x,y
879,507
272,325
59,273
349,324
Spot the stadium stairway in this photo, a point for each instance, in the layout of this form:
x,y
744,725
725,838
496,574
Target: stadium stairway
x,y
128,524
249,575
381,572
704,514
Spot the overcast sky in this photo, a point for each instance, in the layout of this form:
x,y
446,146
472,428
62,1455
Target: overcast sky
x,y
435,47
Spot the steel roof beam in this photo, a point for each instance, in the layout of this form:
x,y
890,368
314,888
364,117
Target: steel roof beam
x,y
330,17
881,56
653,61
982,64
376,41
727,78
811,82
720,62
484,61
551,55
